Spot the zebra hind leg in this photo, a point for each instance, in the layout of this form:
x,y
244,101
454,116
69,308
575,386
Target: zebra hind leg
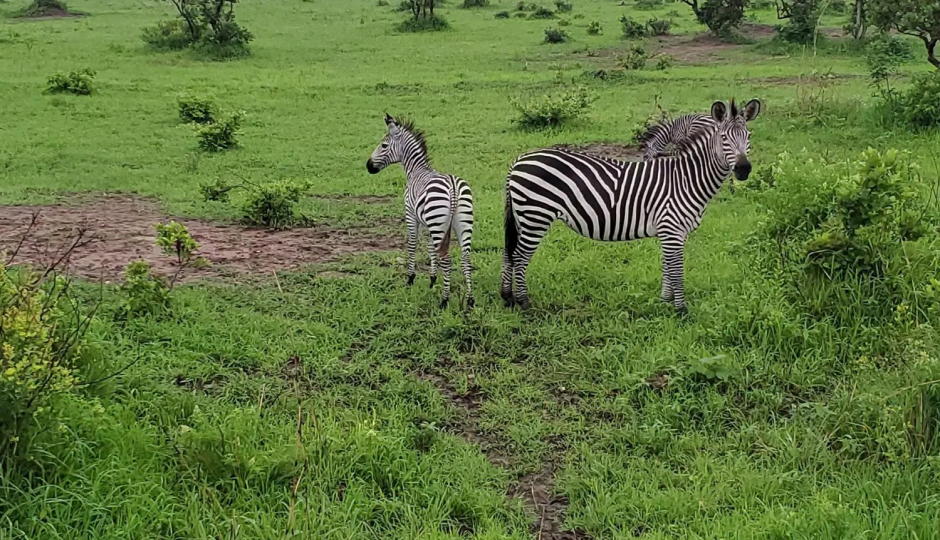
x,y
432,261
443,251
528,242
463,227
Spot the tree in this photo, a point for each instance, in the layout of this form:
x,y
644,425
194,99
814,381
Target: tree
x,y
918,18
859,20
720,16
803,16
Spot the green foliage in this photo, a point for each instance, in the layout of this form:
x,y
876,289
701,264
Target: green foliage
x,y
594,28
555,35
206,25
649,4
42,339
563,6
921,104
174,239
632,29
45,8
920,18
430,23
542,13
74,82
271,205
196,109
884,55
144,294
216,191
475,3
552,110
801,27
502,15
220,136
665,62
635,58
722,17
658,27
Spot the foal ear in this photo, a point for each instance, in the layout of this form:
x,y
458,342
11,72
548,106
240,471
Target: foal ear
x,y
389,120
719,110
751,110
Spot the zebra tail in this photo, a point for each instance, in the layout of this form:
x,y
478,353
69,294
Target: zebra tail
x,y
512,232
454,200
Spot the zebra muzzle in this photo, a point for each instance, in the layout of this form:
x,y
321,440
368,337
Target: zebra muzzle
x,y
371,167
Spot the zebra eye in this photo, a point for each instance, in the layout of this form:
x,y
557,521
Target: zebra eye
x,y
385,145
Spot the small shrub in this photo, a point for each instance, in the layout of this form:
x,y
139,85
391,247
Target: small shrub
x,y
382,3
45,8
554,35
216,191
175,241
227,39
564,22
219,136
271,205
475,3
649,4
921,103
431,23
521,6
563,7
801,27
635,58
502,15
520,15
73,82
170,35
632,29
594,28
144,293
542,13
197,110
722,17
658,27
665,62
552,109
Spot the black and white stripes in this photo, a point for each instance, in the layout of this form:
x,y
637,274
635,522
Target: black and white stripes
x,y
439,202
611,200
659,137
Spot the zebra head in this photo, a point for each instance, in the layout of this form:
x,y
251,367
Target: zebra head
x,y
735,137
393,147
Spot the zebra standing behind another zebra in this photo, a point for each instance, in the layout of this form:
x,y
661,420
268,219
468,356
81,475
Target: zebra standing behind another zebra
x,y
439,202
612,200
660,135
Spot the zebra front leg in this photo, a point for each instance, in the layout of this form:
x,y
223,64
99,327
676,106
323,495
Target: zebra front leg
x,y
672,274
412,248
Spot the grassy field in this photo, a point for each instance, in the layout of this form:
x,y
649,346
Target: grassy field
x,y
332,402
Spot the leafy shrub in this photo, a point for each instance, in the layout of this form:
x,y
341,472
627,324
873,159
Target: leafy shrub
x,y
801,28
502,15
73,82
475,3
144,293
521,6
594,28
271,205
42,347
884,54
632,29
170,35
921,103
174,239
44,8
195,109
722,17
635,58
665,62
554,35
431,23
649,4
563,6
382,3
542,13
219,136
658,27
552,110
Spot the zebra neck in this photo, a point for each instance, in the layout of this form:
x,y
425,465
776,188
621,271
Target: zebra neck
x,y
415,165
703,171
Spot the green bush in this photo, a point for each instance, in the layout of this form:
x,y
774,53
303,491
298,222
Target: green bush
x,y
665,62
722,17
554,35
552,110
170,35
45,8
431,23
801,27
144,293
271,205
502,15
921,103
475,3
635,58
73,82
649,4
594,28
632,29
195,109
658,27
42,348
219,136
562,6
175,241
542,13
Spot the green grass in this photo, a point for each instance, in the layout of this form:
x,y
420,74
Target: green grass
x,y
201,439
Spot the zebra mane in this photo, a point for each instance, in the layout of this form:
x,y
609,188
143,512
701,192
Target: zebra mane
x,y
693,140
408,125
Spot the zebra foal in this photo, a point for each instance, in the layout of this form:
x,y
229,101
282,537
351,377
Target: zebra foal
x,y
660,135
612,200
441,203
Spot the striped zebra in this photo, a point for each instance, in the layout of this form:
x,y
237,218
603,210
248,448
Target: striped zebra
x,y
611,200
441,203
661,135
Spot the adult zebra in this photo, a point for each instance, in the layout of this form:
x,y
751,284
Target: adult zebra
x,y
439,202
607,199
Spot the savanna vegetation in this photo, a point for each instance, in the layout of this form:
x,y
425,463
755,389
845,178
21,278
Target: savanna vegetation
x,y
168,394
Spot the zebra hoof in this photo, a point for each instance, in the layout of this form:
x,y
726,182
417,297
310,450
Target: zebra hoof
x,y
682,312
508,300
433,281
524,304
411,280
470,303
444,303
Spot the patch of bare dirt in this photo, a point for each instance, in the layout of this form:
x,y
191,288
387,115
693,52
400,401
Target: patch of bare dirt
x,y
120,229
608,150
705,48
535,490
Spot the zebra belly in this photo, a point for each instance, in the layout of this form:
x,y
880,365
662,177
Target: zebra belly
x,y
622,235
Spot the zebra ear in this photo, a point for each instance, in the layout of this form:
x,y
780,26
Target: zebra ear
x,y
388,119
719,110
751,110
